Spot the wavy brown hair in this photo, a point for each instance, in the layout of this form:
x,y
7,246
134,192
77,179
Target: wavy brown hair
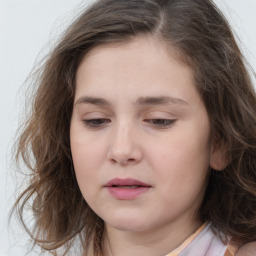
x,y
202,38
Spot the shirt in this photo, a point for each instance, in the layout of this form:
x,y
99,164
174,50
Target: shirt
x,y
203,242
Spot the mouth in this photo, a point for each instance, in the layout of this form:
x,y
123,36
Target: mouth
x,y
126,183
126,189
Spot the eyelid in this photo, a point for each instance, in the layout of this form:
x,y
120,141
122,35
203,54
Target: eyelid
x,y
161,123
94,115
96,122
159,114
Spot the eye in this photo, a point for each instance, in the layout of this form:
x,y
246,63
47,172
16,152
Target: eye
x,y
161,123
96,122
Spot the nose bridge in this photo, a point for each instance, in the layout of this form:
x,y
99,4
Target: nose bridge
x,y
124,145
122,137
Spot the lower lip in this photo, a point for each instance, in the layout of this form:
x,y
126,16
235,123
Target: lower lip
x,y
127,193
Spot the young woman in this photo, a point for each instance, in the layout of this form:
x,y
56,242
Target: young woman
x,y
142,135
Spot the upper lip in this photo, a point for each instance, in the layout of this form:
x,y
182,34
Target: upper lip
x,y
126,182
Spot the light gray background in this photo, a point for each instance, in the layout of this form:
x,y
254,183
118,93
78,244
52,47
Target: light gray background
x,y
27,30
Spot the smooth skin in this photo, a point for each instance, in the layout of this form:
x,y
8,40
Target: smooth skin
x,y
247,250
137,114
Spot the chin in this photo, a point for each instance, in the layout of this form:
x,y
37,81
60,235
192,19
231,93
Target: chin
x,y
126,223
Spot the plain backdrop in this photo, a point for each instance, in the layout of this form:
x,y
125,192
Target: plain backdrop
x,y
28,28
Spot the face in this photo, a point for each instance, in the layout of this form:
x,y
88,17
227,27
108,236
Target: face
x,y
140,137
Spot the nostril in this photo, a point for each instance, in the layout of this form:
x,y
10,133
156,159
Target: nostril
x,y
124,155
113,160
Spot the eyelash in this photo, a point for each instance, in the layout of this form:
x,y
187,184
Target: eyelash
x,y
161,122
96,122
158,122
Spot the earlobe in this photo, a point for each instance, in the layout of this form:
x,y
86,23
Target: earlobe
x,y
218,158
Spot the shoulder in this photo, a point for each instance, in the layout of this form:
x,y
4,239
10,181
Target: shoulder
x,y
247,250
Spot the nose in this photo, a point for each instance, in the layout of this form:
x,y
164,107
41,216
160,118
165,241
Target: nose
x,y
124,148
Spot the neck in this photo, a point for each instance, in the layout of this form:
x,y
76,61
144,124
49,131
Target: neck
x,y
159,241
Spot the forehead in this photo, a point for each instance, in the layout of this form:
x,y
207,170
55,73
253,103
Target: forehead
x,y
143,63
164,49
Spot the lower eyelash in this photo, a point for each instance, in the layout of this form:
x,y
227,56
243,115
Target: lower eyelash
x,y
96,122
100,122
166,123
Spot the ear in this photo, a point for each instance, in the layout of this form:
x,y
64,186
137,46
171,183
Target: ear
x,y
218,158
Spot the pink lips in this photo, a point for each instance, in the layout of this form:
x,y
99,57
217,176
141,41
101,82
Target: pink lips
x,y
126,189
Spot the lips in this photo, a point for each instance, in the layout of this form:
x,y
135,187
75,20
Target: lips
x,y
126,189
126,183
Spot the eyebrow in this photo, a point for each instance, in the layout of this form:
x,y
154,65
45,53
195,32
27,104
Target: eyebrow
x,y
92,100
161,100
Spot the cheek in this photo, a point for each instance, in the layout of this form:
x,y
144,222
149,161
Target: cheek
x,y
86,159
85,155
182,159
85,162
86,148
